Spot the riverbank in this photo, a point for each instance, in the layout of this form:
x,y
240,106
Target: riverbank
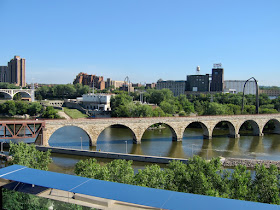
x,y
249,163
226,162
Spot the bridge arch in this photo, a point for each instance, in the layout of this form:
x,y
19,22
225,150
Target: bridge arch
x,y
255,126
23,93
174,133
97,134
207,133
9,96
273,125
51,130
231,127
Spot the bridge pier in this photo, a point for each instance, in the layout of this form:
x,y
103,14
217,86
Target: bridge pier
x,y
42,138
236,136
207,137
259,134
135,141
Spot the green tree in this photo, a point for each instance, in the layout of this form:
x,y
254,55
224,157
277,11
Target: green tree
x,y
216,109
188,107
233,109
118,105
176,176
158,112
152,176
240,183
21,107
35,108
17,97
5,85
91,169
116,171
50,112
10,108
206,178
266,185
168,107
120,171
28,155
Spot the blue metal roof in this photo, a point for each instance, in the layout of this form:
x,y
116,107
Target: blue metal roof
x,y
123,192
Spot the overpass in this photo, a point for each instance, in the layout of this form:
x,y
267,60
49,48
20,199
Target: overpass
x,y
10,93
177,125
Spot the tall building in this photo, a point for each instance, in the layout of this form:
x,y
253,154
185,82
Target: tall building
x,y
198,83
87,79
217,83
178,87
3,73
14,72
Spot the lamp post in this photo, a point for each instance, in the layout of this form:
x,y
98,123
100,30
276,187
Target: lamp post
x,y
126,147
192,150
81,143
2,146
41,139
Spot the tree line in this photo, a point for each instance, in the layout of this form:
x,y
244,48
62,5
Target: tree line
x,y
165,104
198,176
12,108
61,91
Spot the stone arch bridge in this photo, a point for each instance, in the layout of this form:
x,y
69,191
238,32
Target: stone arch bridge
x,y
177,125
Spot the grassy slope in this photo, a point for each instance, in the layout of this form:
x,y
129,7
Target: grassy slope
x,y
74,113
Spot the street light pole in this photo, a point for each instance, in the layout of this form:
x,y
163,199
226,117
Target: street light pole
x,y
126,147
41,139
192,150
81,143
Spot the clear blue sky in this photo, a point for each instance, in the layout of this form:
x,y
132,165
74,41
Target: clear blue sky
x,y
143,39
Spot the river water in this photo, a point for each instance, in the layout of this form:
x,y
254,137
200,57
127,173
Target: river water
x,y
159,142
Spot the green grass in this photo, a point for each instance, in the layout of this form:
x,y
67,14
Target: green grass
x,y
74,113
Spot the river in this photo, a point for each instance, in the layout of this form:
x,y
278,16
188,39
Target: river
x,y
159,142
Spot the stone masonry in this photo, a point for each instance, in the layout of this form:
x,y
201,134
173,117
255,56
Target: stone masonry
x,y
177,125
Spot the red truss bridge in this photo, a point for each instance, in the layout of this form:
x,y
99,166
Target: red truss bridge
x,y
18,129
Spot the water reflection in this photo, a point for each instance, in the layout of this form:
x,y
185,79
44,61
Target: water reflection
x,y
159,142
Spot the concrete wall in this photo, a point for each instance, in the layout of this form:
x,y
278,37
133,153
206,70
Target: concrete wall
x,y
111,155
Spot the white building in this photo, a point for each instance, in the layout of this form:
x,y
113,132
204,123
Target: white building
x,y
236,86
97,101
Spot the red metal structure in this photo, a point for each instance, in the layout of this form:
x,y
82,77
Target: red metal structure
x,y
18,129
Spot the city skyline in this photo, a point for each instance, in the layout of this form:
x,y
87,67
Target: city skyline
x,y
144,40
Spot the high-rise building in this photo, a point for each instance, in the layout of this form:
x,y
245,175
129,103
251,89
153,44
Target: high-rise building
x,y
3,73
217,83
14,72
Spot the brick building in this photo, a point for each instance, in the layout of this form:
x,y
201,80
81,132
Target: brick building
x,y
86,79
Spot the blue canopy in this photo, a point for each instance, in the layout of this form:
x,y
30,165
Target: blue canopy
x,y
157,198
